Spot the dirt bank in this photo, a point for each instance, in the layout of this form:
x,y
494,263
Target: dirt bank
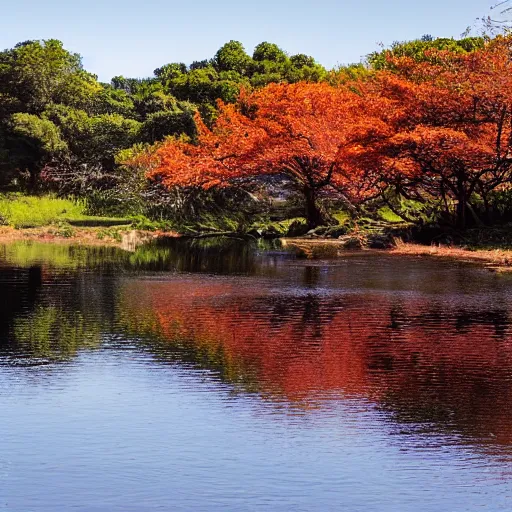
x,y
498,260
124,238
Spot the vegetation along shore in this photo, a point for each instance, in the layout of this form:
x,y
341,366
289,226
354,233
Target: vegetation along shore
x,y
408,151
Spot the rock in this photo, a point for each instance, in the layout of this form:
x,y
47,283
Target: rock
x,y
270,232
317,232
351,242
256,233
380,242
321,230
335,231
297,229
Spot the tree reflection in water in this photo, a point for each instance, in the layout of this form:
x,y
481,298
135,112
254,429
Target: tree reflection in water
x,y
426,360
429,344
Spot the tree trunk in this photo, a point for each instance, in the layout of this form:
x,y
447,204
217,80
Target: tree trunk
x,y
487,208
461,203
33,179
314,214
461,209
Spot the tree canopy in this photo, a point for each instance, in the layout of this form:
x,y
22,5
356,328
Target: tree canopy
x,y
93,121
300,131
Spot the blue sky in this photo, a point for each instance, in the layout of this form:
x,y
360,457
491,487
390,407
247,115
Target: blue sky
x,y
133,38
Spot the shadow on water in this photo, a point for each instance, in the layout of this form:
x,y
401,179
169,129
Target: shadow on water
x,y
430,343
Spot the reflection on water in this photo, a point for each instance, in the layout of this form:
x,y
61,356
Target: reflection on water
x,y
175,364
427,359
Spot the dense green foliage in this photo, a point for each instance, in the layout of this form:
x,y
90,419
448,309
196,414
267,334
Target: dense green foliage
x,y
61,129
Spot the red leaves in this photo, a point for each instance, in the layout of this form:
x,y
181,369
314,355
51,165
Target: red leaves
x,y
450,126
300,130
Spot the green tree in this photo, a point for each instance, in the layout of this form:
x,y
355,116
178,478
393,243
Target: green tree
x,y
200,64
123,84
301,60
9,105
38,73
114,101
304,68
94,139
418,50
169,122
170,71
110,133
350,73
30,142
272,65
149,96
269,51
206,85
232,57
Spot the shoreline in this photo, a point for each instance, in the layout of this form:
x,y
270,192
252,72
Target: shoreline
x,y
126,239
496,260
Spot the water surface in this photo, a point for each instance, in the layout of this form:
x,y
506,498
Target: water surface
x,y
230,376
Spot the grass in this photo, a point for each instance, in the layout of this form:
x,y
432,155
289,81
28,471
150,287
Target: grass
x,y
33,211
21,212
387,215
342,217
498,259
52,219
282,226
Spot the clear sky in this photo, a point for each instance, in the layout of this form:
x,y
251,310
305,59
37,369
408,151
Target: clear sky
x,y
132,38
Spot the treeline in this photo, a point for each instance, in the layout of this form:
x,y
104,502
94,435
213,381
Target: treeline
x,y
62,130
58,121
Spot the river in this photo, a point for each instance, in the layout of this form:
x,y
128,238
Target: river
x,y
227,375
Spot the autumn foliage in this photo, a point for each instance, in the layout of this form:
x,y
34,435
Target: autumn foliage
x,y
300,131
454,144
437,130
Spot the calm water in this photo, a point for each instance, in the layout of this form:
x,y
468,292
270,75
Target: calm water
x,y
226,377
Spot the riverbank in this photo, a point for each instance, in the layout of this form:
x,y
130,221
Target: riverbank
x,y
496,260
123,237
127,238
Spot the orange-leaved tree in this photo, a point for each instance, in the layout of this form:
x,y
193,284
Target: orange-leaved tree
x,y
300,131
454,144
